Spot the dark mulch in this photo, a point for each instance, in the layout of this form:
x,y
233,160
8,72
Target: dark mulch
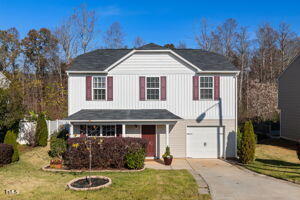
x,y
84,183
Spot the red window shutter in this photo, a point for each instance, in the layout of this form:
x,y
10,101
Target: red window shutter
x,y
142,88
216,87
110,88
163,88
195,87
88,88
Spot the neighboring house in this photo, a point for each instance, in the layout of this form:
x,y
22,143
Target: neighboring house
x,y
182,98
4,82
289,101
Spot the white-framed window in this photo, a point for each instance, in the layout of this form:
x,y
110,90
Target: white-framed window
x,y
206,87
108,130
99,88
98,130
153,88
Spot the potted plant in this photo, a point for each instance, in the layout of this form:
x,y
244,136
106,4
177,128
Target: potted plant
x,y
56,163
167,156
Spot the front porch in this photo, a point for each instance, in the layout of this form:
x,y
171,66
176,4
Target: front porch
x,y
157,134
153,125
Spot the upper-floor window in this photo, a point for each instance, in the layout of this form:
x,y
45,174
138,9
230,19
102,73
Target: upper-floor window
x,y
99,88
153,88
206,87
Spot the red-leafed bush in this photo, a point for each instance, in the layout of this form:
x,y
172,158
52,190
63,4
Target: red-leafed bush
x,y
6,153
106,152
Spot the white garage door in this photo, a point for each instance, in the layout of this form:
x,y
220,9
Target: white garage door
x,y
203,142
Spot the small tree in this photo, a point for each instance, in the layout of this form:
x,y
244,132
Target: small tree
x,y
41,131
239,140
11,138
298,150
248,141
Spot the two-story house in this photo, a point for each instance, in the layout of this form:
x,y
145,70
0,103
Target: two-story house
x,y
182,98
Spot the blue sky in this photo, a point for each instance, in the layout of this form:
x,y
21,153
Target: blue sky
x,y
155,21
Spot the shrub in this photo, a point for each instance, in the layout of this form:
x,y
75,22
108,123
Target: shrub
x,y
6,153
298,150
11,138
239,140
167,153
135,159
41,131
106,152
248,141
58,146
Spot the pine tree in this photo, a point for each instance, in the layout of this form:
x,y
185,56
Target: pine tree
x,y
248,141
41,131
11,138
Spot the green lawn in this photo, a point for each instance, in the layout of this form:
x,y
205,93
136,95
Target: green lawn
x,y
32,183
277,158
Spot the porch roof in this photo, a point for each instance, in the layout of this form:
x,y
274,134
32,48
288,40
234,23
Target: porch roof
x,y
123,115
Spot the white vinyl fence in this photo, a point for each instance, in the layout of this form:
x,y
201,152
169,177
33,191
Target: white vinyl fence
x,y
57,125
27,129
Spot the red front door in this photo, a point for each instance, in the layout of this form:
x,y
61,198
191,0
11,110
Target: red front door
x,y
148,133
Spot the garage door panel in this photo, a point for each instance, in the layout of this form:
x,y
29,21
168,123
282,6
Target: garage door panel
x,y
203,142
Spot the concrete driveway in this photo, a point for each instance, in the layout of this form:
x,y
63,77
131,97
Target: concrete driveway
x,y
227,182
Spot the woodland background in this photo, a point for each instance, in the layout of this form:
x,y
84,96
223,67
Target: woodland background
x,y
37,63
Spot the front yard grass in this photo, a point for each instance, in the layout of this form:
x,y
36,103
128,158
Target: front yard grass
x,y
277,158
32,183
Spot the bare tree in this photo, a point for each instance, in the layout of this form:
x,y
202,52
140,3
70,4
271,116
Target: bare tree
x,y
286,44
227,36
181,45
138,42
204,38
114,37
243,51
67,35
266,56
85,21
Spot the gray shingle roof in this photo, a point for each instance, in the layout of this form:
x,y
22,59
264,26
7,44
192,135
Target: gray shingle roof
x,y
115,114
101,59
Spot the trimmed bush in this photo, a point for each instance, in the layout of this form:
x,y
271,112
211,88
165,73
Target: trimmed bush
x,y
106,152
135,159
6,153
239,140
41,131
298,150
248,142
11,138
58,146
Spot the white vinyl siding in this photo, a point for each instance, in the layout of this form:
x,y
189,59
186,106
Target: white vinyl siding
x,y
179,89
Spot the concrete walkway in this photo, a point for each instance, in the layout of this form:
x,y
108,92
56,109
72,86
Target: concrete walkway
x,y
228,182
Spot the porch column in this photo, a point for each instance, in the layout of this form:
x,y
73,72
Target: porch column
x,y
123,130
167,134
71,130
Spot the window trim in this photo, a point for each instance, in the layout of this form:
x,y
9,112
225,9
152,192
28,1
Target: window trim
x,y
212,88
105,88
146,88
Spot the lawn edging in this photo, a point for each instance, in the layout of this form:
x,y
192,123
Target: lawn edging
x,y
48,169
244,168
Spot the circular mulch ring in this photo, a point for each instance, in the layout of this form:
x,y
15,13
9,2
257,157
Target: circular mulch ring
x,y
82,184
